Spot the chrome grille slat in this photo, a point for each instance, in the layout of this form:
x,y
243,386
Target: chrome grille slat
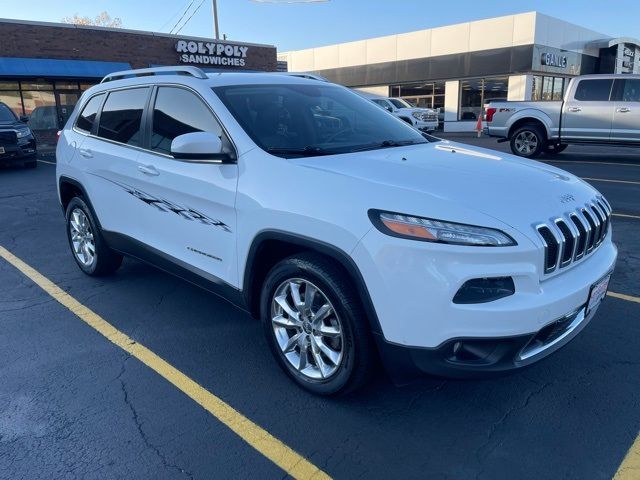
x,y
575,234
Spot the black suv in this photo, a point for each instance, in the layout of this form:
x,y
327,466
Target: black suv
x,y
17,143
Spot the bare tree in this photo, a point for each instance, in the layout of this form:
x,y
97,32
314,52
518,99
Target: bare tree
x,y
101,20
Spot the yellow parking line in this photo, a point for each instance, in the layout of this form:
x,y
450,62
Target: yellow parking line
x,y
609,180
283,456
630,467
625,215
622,296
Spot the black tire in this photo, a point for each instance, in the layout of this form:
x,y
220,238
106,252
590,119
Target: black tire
x,y
358,351
105,261
554,148
31,163
535,134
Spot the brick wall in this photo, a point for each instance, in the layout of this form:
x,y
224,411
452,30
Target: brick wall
x,y
83,43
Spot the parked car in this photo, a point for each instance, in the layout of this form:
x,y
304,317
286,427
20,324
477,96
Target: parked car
x,y
17,144
352,237
424,119
596,110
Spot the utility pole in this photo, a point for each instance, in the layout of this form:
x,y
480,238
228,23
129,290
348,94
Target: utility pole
x,y
215,19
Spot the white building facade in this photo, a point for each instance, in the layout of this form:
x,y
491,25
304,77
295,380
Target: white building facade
x,y
459,68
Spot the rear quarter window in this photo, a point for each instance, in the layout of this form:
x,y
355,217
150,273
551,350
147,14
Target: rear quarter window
x,y
87,118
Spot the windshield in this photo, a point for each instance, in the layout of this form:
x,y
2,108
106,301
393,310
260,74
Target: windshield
x,y
400,103
6,114
292,120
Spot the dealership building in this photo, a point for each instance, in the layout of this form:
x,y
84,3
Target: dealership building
x,y
44,67
458,68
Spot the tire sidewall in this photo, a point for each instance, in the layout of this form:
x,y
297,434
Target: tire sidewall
x,y
541,146
77,202
289,269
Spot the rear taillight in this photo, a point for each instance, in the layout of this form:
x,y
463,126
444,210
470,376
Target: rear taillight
x,y
490,113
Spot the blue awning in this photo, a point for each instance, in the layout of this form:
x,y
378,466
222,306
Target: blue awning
x,y
45,67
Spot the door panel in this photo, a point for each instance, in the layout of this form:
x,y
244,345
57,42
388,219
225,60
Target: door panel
x,y
190,209
589,115
626,116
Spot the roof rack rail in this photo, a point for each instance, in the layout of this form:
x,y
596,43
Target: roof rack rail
x,y
193,71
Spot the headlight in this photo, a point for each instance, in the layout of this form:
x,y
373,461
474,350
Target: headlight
x,y
23,133
417,115
430,230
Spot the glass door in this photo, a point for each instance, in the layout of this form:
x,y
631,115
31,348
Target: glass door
x,y
66,102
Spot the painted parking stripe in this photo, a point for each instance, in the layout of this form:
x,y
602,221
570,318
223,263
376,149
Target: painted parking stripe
x,y
283,456
45,161
622,296
630,467
610,181
593,163
626,215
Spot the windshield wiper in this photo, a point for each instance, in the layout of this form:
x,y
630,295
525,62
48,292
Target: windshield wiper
x,y
385,144
308,151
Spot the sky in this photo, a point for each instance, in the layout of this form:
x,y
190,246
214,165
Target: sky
x,y
297,26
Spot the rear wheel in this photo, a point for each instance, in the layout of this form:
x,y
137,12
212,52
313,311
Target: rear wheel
x,y
528,141
315,325
89,249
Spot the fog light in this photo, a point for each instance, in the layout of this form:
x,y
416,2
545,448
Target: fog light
x,y
483,290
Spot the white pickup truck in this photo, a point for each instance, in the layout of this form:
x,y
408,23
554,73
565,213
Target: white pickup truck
x,y
596,109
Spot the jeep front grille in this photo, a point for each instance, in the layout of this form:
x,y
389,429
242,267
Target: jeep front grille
x,y
575,235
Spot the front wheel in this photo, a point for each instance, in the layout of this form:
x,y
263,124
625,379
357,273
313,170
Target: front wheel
x,y
528,141
315,325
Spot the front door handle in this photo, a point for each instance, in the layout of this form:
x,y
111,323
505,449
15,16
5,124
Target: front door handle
x,y
623,110
85,152
148,170
575,109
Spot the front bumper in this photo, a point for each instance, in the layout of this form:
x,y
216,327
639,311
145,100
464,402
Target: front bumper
x,y
427,126
23,150
412,286
482,357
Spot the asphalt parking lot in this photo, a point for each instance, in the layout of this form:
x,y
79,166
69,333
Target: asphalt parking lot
x,y
74,404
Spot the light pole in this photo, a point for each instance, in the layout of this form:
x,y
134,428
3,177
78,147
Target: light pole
x,y
215,19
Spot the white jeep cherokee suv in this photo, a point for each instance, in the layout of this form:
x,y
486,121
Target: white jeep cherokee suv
x,y
350,234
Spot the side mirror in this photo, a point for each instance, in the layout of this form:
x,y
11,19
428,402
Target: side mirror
x,y
24,118
199,147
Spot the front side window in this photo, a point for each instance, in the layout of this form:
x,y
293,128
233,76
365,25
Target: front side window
x,y
6,115
121,116
306,119
178,111
383,104
87,117
400,103
593,90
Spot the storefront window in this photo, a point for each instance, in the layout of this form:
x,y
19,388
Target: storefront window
x,y
36,85
9,86
12,100
474,93
548,88
66,85
424,95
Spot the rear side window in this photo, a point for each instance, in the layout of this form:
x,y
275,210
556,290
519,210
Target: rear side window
x,y
631,92
121,116
594,90
87,117
178,111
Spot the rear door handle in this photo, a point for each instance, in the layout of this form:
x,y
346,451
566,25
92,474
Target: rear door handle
x,y
148,170
623,110
575,109
85,152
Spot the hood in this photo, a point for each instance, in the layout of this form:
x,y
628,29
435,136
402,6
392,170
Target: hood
x,y
415,109
515,191
12,125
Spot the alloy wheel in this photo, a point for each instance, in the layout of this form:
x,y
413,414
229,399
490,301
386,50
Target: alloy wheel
x,y
307,329
82,241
